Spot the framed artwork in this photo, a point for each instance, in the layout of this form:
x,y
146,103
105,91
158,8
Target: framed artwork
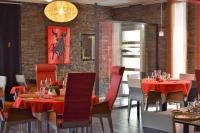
x,y
58,45
88,47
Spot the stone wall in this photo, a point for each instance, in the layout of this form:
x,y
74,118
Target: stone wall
x,y
34,37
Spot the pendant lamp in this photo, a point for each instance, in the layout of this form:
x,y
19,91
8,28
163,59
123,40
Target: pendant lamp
x,y
61,11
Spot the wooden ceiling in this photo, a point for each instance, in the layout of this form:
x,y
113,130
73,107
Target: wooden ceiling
x,y
112,3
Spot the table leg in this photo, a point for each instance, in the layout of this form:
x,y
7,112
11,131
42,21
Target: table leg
x,y
164,106
185,128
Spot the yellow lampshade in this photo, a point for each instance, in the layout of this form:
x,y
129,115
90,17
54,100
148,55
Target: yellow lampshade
x,y
61,11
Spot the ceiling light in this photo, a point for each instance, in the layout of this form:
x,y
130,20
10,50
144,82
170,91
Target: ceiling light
x,y
61,11
161,32
49,0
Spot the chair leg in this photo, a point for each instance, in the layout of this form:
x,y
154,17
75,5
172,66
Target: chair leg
x,y
182,104
87,129
138,109
39,126
91,130
129,108
176,105
76,130
7,127
57,130
157,105
29,127
142,105
110,123
2,126
47,124
101,121
21,128
146,108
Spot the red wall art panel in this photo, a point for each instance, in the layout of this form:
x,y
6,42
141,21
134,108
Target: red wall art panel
x,y
58,45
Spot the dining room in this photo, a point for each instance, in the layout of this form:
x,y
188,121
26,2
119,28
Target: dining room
x,y
102,66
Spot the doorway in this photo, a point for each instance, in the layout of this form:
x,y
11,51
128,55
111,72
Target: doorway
x,y
9,44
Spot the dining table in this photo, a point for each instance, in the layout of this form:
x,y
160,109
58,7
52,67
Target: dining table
x,y
185,117
41,105
165,86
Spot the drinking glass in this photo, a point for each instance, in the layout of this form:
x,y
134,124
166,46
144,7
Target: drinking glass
x,y
164,75
153,75
168,76
47,83
158,73
42,89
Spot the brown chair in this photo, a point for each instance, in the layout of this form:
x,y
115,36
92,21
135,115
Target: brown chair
x,y
15,116
44,71
153,97
104,109
192,92
175,97
178,96
78,101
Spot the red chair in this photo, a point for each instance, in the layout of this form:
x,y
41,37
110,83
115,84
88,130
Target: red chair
x,y
44,71
104,109
15,116
78,101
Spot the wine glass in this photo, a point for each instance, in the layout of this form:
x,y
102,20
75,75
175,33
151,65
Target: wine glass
x,y
168,76
48,83
42,88
153,75
164,75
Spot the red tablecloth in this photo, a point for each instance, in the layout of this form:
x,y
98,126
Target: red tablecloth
x,y
166,86
19,89
42,105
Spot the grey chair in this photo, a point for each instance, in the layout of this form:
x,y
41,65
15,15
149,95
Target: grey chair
x,y
3,81
135,93
156,122
20,79
192,92
153,97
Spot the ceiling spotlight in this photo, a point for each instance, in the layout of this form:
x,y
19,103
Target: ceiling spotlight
x,y
49,0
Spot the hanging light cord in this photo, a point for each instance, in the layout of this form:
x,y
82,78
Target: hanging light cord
x,y
161,12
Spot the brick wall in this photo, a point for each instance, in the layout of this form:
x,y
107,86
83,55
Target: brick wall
x,y
34,34
191,39
34,37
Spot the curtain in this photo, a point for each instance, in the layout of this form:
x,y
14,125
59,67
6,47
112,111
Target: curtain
x,y
197,36
169,37
177,48
9,44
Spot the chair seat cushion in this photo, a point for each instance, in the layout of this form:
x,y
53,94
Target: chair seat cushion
x,y
71,124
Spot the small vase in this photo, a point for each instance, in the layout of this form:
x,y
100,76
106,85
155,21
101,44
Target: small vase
x,y
52,93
